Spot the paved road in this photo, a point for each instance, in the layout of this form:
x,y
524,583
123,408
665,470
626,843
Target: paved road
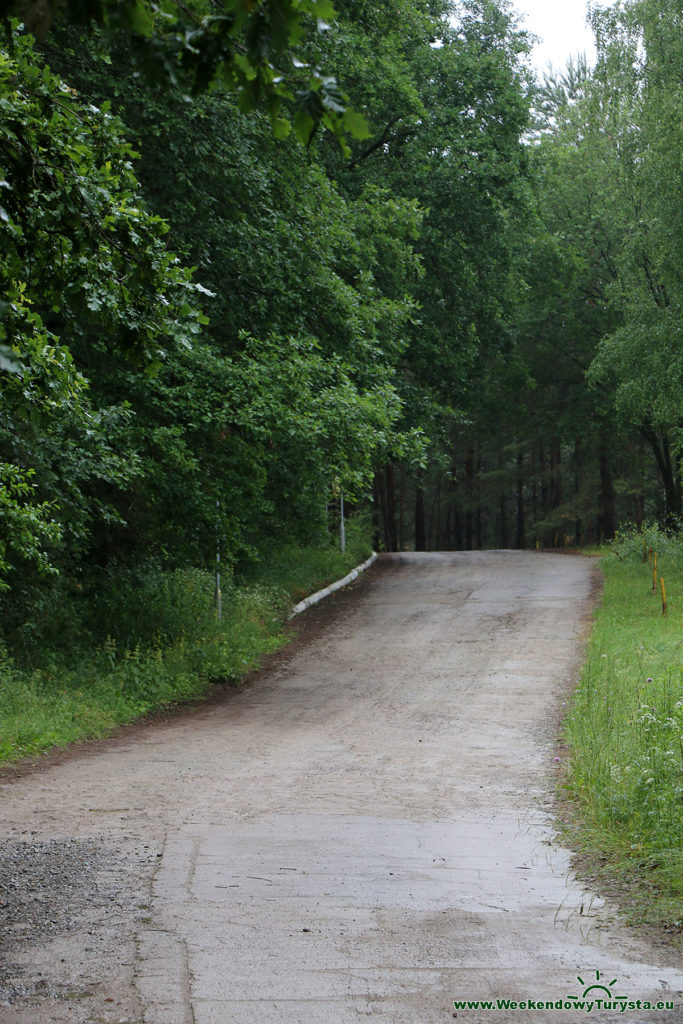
x,y
363,833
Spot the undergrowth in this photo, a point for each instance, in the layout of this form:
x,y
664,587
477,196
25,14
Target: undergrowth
x,y
625,729
135,642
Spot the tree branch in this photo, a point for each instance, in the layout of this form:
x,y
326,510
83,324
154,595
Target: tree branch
x,y
384,138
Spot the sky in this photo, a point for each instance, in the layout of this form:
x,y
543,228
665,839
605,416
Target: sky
x,y
562,26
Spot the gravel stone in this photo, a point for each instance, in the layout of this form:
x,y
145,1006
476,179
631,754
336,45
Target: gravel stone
x,y
63,900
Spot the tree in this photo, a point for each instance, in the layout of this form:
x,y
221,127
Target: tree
x,y
85,271
299,290
635,117
444,94
597,330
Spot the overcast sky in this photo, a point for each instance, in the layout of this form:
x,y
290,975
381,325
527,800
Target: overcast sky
x,y
562,30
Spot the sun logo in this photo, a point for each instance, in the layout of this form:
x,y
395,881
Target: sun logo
x,y
597,989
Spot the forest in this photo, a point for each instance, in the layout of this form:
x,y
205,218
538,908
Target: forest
x,y
259,255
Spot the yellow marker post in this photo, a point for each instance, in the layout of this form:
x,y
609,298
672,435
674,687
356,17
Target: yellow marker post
x,y
654,571
663,588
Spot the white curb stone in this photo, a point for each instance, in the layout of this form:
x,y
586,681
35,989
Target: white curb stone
x,y
326,591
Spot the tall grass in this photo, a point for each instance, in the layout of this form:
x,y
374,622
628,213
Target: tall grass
x,y
625,729
135,642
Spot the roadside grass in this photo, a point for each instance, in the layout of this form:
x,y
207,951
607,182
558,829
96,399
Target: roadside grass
x,y
160,645
299,572
625,733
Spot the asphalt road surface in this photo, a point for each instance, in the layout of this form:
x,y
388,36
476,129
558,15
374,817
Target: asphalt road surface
x,y
363,832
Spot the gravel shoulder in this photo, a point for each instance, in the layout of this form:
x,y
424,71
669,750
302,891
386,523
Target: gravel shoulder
x,y
363,830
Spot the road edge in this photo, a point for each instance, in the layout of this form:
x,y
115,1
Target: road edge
x,y
320,595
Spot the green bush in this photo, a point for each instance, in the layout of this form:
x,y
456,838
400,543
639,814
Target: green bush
x,y
634,545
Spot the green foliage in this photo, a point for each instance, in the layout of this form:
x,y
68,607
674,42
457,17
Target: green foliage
x,y
26,528
329,351
133,641
292,387
625,730
579,424
64,700
444,90
634,118
85,275
447,122
297,571
632,544
249,48
78,248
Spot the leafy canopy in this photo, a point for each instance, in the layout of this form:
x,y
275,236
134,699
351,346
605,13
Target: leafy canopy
x,y
251,47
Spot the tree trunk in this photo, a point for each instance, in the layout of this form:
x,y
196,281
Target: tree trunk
x,y
544,488
377,515
662,453
454,524
469,478
434,525
520,540
578,466
556,478
420,537
503,530
389,510
608,502
673,496
480,536
401,509
534,492
459,540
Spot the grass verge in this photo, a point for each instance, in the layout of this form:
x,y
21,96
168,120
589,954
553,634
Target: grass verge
x,y
162,646
625,733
